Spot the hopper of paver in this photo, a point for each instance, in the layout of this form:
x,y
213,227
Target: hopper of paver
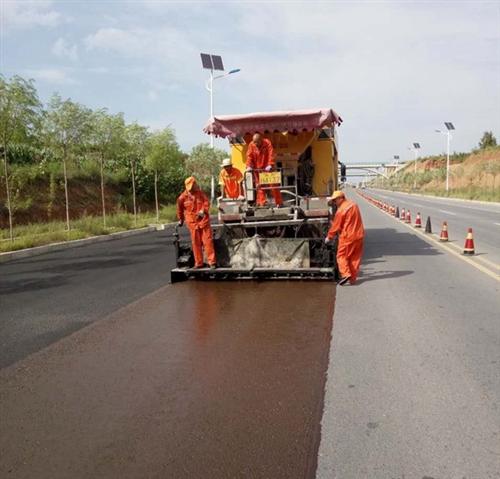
x,y
274,241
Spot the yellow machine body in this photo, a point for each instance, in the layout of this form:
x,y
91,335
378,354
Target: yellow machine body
x,y
289,147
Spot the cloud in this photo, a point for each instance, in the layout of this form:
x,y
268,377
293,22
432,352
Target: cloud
x,y
17,14
153,95
63,49
167,53
160,43
55,76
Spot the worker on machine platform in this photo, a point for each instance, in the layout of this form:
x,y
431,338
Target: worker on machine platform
x,y
193,208
230,181
348,224
260,157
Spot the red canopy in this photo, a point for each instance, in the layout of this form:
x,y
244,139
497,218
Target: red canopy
x,y
298,120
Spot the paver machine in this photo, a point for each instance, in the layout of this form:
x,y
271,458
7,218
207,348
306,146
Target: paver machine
x,y
274,241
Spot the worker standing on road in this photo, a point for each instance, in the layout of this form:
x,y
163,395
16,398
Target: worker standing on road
x,y
193,208
230,181
348,224
260,157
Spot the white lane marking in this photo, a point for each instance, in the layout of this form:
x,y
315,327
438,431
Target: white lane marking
x,y
484,206
479,258
448,212
498,224
435,241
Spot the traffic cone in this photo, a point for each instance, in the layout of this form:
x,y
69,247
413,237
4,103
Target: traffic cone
x,y
428,227
469,243
396,215
408,217
418,221
403,216
444,232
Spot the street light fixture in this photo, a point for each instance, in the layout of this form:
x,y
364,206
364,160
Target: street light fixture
x,y
449,126
213,62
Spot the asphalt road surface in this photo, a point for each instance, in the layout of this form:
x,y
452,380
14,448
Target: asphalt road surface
x,y
47,297
483,218
413,386
111,372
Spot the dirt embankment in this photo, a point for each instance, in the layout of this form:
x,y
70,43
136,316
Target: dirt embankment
x,y
476,175
40,200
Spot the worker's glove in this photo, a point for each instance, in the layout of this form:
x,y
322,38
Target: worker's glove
x,y
241,197
201,214
328,241
268,168
180,223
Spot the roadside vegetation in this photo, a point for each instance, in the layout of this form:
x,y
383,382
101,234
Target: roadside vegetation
x,y
37,234
69,171
474,175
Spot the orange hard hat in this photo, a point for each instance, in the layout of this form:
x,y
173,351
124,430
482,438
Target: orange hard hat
x,y
189,183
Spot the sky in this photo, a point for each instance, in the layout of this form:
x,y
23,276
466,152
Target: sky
x,y
393,70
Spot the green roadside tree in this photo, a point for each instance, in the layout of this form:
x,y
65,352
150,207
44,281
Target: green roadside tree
x,y
487,140
20,111
136,140
204,163
107,141
66,126
164,159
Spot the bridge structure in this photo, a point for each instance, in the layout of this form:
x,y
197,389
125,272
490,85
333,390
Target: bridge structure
x,y
373,169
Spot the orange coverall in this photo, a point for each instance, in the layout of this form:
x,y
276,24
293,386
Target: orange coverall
x,y
188,206
258,159
230,180
349,225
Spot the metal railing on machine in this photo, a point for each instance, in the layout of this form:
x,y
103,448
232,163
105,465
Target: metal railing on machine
x,y
269,181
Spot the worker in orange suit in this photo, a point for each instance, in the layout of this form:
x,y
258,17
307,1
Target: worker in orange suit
x,y
193,209
230,181
260,157
348,224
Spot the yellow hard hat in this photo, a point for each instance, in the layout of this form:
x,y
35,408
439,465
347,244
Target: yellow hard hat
x,y
337,194
189,182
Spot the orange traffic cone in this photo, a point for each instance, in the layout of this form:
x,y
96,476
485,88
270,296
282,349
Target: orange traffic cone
x,y
408,217
444,232
403,216
418,221
469,243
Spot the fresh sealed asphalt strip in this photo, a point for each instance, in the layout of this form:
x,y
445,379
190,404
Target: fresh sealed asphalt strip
x,y
195,380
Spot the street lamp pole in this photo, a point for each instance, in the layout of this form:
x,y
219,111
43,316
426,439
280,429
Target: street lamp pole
x,y
449,127
447,161
415,173
210,87
416,147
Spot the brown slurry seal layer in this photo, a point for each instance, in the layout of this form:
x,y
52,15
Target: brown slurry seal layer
x,y
208,380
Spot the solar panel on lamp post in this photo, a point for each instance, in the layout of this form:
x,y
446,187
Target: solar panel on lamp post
x,y
449,126
213,62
